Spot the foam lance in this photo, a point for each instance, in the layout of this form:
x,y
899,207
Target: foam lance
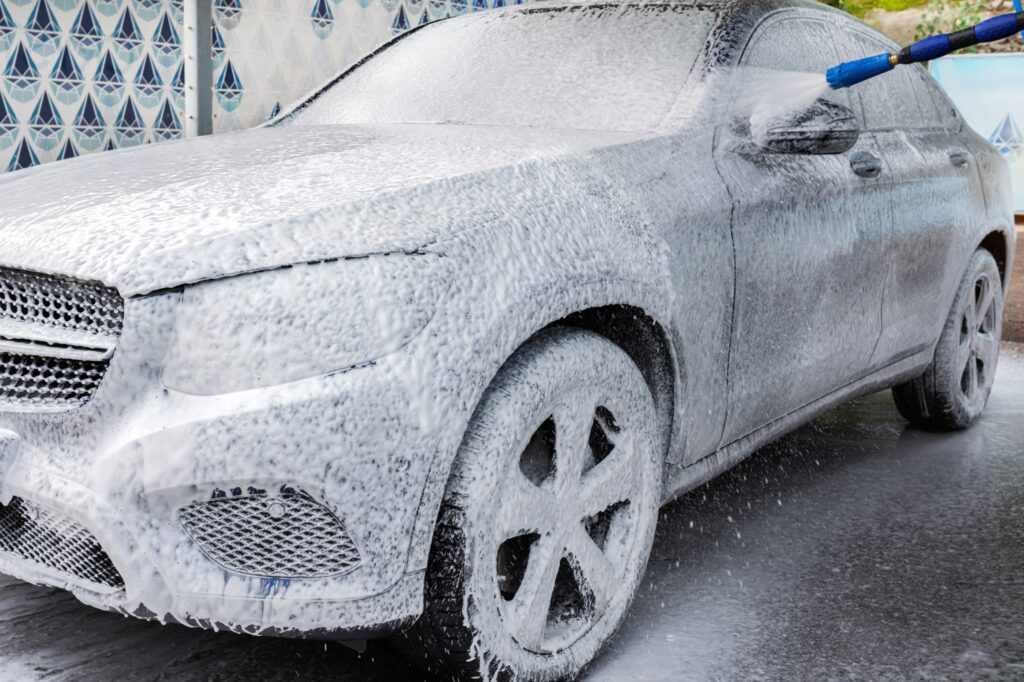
x,y
933,47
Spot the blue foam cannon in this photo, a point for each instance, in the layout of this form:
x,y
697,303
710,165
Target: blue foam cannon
x,y
988,31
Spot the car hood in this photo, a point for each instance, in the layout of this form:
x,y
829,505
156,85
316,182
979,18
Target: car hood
x,y
164,215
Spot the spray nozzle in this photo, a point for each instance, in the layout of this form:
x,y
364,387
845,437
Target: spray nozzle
x,y
851,73
933,47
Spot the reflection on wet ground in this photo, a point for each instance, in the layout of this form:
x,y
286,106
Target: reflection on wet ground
x,y
853,549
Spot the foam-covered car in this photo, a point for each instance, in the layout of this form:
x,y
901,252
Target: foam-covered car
x,y
425,354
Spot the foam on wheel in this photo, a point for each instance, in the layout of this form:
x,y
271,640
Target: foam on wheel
x,y
953,392
549,516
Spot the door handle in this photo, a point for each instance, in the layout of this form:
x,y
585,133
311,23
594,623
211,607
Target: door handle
x,y
866,165
959,158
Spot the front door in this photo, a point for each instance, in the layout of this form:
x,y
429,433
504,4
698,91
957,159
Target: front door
x,y
811,234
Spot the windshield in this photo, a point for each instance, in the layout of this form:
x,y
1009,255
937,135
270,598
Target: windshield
x,y
587,68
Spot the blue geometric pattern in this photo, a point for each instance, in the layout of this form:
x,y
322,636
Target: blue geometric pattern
x,y
7,29
8,124
400,24
229,88
129,128
108,8
166,43
45,125
148,84
90,128
177,85
109,81
217,43
127,37
78,76
1008,139
167,126
66,78
86,34
23,157
322,19
68,151
147,10
21,76
43,30
229,12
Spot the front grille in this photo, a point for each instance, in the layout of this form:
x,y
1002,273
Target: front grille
x,y
60,302
281,536
57,336
44,537
34,381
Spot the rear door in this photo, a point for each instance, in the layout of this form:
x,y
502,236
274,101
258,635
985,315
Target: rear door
x,y
929,179
811,240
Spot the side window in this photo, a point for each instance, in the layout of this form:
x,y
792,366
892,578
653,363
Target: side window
x,y
792,43
949,117
921,90
898,99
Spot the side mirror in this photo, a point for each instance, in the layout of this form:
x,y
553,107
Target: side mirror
x,y
822,128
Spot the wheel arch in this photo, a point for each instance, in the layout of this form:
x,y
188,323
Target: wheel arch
x,y
647,344
638,324
999,243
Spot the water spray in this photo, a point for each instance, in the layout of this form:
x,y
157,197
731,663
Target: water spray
x,y
988,31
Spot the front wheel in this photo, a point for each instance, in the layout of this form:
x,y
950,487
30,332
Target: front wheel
x,y
549,516
954,391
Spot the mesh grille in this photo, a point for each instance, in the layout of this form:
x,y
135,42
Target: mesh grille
x,y
58,302
285,536
33,533
34,381
55,379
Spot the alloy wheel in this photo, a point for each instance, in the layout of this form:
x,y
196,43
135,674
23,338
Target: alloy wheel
x,y
566,525
979,344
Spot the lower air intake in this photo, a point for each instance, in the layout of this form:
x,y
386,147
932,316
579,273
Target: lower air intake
x,y
278,536
40,382
44,537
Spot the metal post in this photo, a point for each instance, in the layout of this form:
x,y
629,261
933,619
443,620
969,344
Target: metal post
x,y
198,50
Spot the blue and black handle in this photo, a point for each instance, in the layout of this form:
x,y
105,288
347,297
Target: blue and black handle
x,y
990,30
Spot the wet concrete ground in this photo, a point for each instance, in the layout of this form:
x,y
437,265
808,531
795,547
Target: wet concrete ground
x,y
853,549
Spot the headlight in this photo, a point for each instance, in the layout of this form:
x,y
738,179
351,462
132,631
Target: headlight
x,y
274,327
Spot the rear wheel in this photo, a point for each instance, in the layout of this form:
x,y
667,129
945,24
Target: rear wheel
x,y
548,519
954,391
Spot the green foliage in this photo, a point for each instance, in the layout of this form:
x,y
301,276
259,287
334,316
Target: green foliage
x,y
946,16
862,7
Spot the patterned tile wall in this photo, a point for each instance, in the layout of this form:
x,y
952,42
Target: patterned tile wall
x,y
79,76
85,75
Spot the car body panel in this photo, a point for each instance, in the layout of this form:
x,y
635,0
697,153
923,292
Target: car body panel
x,y
160,216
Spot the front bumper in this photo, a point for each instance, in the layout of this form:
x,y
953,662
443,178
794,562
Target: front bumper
x,y
123,465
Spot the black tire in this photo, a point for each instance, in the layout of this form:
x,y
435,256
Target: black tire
x,y
953,392
467,630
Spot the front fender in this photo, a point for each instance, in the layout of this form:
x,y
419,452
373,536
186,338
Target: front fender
x,y
542,278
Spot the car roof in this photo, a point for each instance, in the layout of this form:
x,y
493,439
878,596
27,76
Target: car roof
x,y
737,18
734,7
